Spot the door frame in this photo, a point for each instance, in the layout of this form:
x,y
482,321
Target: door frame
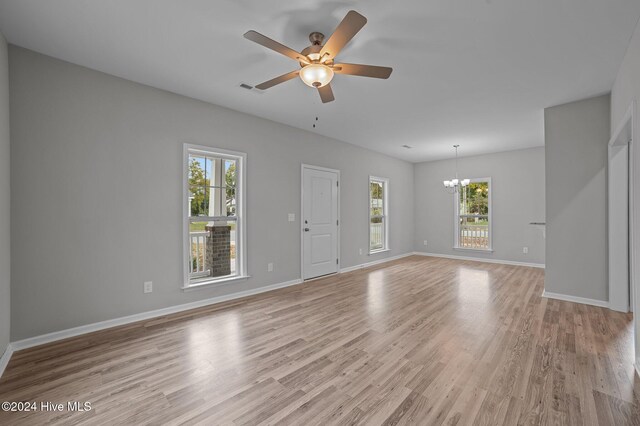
x,y
622,293
304,166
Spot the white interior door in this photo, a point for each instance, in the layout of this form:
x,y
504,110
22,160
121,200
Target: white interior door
x,y
319,222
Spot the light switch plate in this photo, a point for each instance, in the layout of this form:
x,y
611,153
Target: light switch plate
x,y
292,217
148,287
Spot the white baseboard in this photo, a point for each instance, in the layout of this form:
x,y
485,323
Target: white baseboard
x,y
89,328
575,299
480,259
373,263
4,359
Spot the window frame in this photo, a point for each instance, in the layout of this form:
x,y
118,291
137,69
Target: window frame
x,y
384,216
456,218
241,235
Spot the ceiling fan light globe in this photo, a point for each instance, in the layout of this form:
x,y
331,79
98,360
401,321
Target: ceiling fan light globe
x,y
446,183
316,75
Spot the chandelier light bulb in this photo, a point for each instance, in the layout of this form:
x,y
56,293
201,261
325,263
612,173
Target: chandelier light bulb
x,y
455,183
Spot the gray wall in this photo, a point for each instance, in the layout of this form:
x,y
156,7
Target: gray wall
x,y
517,180
5,210
626,89
97,175
576,137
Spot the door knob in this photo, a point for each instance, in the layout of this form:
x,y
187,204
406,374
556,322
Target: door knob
x,y
306,229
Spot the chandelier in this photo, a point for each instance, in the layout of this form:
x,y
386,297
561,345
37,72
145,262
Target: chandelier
x,y
455,183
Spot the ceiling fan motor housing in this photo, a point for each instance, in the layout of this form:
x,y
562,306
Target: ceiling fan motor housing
x,y
312,52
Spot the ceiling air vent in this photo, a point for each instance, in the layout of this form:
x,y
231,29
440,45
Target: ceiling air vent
x,y
246,86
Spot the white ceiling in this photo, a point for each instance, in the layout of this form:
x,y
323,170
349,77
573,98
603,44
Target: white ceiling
x,y
473,72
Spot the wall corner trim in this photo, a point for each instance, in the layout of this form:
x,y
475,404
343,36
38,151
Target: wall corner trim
x,y
575,299
5,358
480,259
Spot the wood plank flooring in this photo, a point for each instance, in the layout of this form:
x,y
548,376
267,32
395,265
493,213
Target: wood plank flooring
x,y
420,340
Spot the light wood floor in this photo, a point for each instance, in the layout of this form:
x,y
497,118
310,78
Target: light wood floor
x,y
416,341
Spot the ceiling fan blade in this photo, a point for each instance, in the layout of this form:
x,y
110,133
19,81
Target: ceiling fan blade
x,y
326,94
349,27
280,79
363,70
274,45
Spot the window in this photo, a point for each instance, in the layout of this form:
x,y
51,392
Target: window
x,y
473,215
378,214
213,216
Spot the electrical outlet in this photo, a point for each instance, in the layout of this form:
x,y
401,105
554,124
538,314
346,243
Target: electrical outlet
x,y
269,267
292,217
360,251
425,242
148,287
525,250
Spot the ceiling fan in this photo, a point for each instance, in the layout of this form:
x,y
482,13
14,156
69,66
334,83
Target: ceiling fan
x,y
317,61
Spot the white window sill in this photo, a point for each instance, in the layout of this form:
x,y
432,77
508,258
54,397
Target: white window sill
x,y
379,251
214,282
474,249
